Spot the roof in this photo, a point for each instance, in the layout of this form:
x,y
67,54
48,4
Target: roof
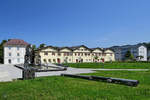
x,y
73,48
97,48
16,42
65,48
76,47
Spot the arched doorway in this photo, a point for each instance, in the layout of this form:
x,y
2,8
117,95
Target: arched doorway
x,y
77,61
9,61
58,60
103,60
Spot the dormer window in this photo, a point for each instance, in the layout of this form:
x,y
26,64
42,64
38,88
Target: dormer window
x,y
53,53
59,54
45,53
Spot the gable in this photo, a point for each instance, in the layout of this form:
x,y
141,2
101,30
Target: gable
x,y
97,51
65,50
82,49
142,47
108,51
49,49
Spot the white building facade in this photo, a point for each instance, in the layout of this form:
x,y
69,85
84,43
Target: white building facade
x,y
138,51
142,53
14,51
76,54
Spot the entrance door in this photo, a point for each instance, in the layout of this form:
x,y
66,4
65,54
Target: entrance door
x,y
103,60
76,60
81,60
9,61
58,60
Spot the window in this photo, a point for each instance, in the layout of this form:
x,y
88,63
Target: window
x,y
17,48
54,60
18,54
9,54
49,60
104,54
96,54
45,53
85,54
9,61
71,54
53,53
9,48
59,54
78,54
64,54
111,54
89,54
44,60
67,54
18,60
75,54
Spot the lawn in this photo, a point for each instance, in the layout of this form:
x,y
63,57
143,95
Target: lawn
x,y
113,65
65,88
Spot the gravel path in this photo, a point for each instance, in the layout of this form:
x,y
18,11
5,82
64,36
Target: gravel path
x,y
9,72
68,71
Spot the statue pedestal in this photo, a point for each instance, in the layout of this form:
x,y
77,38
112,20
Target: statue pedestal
x,y
28,73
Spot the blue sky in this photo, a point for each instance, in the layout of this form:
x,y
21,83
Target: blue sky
x,y
95,23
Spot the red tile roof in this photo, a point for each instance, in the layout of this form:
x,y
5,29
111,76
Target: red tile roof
x,y
16,42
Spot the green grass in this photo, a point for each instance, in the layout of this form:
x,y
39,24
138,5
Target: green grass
x,y
65,88
114,65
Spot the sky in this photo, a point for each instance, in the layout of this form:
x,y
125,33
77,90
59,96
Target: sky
x,y
94,23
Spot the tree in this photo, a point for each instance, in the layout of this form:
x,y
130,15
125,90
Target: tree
x,y
148,58
140,57
2,51
42,45
129,56
66,60
33,48
96,58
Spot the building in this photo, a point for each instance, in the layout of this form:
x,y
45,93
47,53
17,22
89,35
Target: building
x,y
14,51
138,51
148,55
117,50
76,54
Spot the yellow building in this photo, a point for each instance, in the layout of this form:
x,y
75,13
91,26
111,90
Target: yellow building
x,y
74,54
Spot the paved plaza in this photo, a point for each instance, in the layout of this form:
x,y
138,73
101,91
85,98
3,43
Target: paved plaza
x,y
9,72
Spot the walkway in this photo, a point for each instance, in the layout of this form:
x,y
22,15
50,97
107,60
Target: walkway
x,y
9,72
